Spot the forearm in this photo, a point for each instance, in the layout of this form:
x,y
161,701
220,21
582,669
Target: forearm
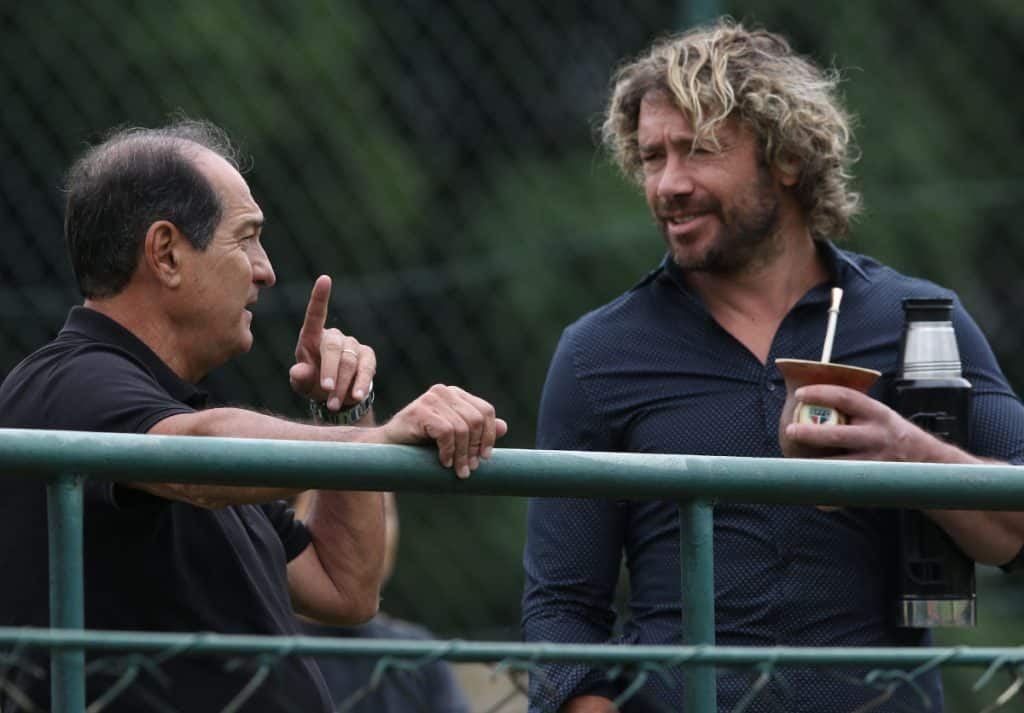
x,y
986,536
240,423
243,423
348,536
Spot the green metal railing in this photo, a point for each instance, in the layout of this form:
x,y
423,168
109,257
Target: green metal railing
x,y
64,458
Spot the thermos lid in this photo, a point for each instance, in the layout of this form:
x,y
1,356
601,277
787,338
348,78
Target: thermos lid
x,y
930,309
929,349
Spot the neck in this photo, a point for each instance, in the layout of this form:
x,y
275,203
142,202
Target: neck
x,y
141,315
751,304
768,289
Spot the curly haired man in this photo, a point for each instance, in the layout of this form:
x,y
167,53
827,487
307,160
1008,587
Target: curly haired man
x,y
743,151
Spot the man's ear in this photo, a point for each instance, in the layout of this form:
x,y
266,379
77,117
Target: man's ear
x,y
787,169
162,253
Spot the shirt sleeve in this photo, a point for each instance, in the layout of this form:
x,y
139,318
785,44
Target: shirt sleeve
x,y
997,415
294,535
573,548
105,390
102,389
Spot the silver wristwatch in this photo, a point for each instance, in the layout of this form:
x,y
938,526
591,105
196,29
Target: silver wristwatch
x,y
346,417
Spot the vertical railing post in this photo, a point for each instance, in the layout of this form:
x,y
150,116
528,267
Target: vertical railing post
x,y
67,604
696,556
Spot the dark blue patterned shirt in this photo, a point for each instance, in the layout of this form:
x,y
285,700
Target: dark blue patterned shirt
x,y
652,372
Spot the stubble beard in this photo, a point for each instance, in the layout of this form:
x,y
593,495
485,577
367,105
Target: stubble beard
x,y
746,238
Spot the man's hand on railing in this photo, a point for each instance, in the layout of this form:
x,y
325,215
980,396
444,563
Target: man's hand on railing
x,y
463,426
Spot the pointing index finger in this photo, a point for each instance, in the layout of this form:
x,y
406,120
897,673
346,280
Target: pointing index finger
x,y
316,310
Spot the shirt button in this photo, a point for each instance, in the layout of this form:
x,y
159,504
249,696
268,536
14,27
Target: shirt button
x,y
770,386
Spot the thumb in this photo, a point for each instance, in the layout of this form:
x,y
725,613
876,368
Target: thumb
x,y
500,427
302,373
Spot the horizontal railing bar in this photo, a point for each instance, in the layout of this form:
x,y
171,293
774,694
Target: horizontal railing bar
x,y
491,652
127,457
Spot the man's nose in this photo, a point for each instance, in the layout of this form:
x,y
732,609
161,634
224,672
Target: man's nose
x,y
262,271
676,179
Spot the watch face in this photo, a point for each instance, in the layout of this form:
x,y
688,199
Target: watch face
x,y
353,414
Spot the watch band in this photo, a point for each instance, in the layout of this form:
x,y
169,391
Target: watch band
x,y
346,417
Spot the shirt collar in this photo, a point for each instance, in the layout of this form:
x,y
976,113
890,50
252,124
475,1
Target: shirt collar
x,y
841,265
101,328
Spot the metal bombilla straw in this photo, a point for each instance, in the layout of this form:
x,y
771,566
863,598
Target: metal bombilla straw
x,y
830,330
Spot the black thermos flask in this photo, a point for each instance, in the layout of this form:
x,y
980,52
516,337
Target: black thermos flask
x,y
935,579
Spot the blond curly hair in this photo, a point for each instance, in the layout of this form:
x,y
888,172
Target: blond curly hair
x,y
793,107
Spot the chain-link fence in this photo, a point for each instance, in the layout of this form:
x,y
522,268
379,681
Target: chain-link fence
x,y
437,159
403,675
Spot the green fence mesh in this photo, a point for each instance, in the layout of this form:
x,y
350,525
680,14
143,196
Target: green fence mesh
x,y
890,684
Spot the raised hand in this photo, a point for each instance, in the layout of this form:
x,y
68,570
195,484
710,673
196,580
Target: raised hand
x,y
329,365
463,426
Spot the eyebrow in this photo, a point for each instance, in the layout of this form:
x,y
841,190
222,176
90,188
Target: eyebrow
x,y
656,144
250,224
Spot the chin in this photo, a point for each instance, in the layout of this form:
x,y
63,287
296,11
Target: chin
x,y
690,254
244,343
690,259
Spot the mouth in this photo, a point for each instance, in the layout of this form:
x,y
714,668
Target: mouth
x,y
681,219
679,224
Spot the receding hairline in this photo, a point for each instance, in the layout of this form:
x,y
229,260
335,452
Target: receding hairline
x,y
208,163
186,137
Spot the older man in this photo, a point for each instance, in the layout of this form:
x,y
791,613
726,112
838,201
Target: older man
x,y
165,239
742,149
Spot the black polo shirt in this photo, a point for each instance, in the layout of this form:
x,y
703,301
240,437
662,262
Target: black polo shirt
x,y
150,564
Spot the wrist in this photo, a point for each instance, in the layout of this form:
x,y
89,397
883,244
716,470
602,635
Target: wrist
x,y
344,417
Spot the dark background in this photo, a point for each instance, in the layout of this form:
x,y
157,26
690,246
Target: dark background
x,y
437,159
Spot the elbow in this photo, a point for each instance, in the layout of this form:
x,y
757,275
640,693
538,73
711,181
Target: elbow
x,y
352,611
361,602
1006,554
196,494
362,611
355,601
